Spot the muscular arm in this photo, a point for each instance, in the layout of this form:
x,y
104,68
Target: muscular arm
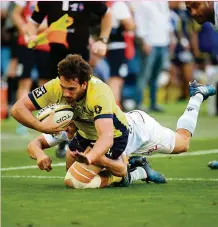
x,y
36,147
106,24
128,24
22,112
116,167
104,127
25,28
17,18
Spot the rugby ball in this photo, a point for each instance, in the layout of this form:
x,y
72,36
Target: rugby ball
x,y
62,112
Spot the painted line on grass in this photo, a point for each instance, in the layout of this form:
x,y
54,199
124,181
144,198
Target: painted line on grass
x,y
204,152
59,177
34,177
194,153
29,167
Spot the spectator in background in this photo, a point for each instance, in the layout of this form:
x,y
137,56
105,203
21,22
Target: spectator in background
x,y
182,58
122,21
153,27
9,52
204,11
27,58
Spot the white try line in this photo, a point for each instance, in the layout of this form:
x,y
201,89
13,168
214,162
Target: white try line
x,y
59,177
204,152
194,153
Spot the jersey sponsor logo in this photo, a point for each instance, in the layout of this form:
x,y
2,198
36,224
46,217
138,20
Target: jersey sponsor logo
x,y
150,150
190,109
65,117
38,92
97,109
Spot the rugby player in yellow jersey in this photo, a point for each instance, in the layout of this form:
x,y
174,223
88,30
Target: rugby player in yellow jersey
x,y
100,123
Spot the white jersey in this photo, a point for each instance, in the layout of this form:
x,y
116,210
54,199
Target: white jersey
x,y
216,15
54,139
146,135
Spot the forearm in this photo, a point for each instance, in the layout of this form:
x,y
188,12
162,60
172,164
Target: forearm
x,y
116,167
36,147
101,147
18,21
106,25
24,116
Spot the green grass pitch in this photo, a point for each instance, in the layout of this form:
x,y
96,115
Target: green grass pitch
x,y
30,197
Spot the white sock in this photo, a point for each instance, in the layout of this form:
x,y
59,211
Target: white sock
x,y
138,174
189,118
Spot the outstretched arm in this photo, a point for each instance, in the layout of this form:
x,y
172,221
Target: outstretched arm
x,y
35,151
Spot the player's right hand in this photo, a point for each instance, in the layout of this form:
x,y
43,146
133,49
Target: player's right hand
x,y
44,162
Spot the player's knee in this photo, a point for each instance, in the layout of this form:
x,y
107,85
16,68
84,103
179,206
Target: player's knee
x,y
182,143
184,148
68,182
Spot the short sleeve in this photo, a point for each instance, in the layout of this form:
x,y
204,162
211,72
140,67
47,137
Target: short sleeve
x,y
103,101
21,3
54,139
40,11
45,95
121,10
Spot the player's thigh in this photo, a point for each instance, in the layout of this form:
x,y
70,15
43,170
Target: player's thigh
x,y
182,142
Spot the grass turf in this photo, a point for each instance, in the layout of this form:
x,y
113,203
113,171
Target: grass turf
x,y
189,199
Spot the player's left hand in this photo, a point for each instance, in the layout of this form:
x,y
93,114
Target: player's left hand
x,y
81,157
44,162
99,48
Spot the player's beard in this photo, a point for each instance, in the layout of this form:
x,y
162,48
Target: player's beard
x,y
70,101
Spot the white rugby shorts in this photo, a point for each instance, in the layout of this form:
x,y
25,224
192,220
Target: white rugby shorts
x,y
147,136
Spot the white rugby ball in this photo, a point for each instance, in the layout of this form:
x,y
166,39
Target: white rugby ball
x,y
62,112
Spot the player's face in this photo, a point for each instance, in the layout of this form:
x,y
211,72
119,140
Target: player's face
x,y
198,10
72,90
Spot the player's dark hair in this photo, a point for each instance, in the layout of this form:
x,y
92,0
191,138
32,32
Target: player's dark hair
x,y
75,67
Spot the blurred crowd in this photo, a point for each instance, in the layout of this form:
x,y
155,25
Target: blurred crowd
x,y
154,50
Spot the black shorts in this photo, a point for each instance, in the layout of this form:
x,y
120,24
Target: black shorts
x,y
28,58
58,52
116,60
79,143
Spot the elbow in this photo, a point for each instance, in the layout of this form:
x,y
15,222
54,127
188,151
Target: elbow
x,y
13,111
29,150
